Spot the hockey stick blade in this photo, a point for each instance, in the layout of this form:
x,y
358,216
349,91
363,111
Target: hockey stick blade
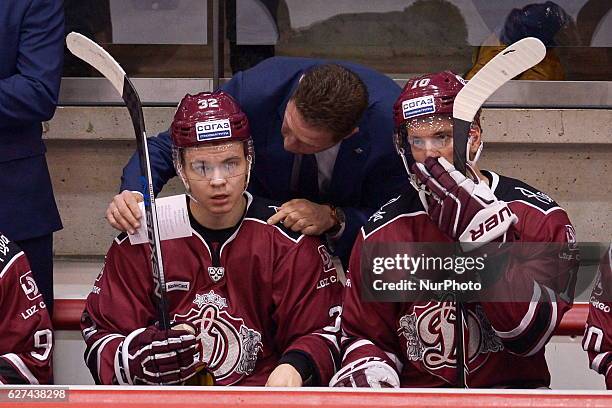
x,y
96,56
90,52
509,63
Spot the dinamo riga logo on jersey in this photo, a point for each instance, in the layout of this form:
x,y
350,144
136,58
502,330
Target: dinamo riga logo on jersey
x,y
429,332
28,285
229,347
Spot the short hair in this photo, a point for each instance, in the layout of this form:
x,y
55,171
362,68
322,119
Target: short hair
x,y
331,97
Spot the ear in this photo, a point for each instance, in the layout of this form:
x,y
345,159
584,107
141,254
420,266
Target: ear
x,y
475,136
355,131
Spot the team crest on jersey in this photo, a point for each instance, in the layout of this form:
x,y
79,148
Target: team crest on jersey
x,y
328,264
429,332
570,235
28,285
230,347
216,273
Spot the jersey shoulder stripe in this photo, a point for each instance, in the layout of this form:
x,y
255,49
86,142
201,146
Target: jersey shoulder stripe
x,y
406,204
509,189
261,209
9,253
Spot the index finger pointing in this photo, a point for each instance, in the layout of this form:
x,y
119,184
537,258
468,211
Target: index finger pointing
x,y
279,216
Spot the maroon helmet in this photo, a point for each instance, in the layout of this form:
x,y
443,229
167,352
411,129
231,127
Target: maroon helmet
x,y
429,94
209,117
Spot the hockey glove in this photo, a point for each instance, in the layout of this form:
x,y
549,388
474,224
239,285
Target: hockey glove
x,y
369,372
153,356
465,210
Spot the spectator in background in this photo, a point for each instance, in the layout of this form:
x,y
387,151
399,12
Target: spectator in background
x,y
546,21
31,59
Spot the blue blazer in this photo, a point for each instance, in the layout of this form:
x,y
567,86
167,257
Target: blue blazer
x,y
367,171
31,61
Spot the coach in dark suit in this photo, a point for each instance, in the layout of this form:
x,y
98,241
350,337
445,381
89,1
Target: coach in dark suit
x,y
322,134
31,59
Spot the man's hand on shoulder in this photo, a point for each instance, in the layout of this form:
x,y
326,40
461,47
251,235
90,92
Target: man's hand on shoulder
x,y
304,216
123,213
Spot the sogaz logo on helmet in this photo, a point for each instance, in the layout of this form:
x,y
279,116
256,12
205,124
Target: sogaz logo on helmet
x,y
213,129
418,106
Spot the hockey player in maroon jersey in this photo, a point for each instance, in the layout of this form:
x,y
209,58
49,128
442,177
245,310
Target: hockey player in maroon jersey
x,y
27,337
264,301
414,343
598,335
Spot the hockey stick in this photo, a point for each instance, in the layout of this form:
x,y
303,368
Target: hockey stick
x,y
90,52
512,61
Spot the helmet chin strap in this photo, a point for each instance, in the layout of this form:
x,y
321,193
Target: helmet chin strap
x,y
248,174
476,155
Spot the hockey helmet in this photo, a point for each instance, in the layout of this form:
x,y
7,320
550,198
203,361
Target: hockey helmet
x,y
430,94
209,117
421,97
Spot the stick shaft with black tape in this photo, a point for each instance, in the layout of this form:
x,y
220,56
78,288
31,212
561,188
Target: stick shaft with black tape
x,y
90,52
506,65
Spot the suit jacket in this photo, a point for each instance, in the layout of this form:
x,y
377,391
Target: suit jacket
x,y
367,170
31,60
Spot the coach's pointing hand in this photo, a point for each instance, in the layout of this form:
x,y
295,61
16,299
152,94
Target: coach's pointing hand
x,y
123,213
304,216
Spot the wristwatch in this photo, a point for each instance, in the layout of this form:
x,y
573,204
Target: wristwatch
x,y
340,221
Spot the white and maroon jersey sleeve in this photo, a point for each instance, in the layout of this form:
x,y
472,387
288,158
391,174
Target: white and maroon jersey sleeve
x,y
118,304
541,279
307,295
597,340
368,329
27,336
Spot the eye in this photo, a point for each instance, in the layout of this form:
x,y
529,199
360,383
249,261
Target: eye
x,y
417,142
201,168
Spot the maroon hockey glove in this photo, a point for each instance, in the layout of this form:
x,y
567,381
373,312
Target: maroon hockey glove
x,y
465,210
369,372
153,356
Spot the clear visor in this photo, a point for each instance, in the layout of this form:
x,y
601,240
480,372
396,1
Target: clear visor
x,y
430,133
215,162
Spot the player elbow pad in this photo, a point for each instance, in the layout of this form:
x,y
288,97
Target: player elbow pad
x,y
368,372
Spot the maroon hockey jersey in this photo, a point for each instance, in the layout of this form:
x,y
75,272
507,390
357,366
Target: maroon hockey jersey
x,y
598,335
27,336
263,293
504,341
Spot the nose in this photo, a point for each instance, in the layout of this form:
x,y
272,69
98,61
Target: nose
x,y
218,182
432,152
218,178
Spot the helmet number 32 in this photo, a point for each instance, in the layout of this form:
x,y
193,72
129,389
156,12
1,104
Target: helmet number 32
x,y
208,103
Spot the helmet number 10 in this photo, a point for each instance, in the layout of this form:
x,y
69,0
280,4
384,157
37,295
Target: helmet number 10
x,y
421,83
208,103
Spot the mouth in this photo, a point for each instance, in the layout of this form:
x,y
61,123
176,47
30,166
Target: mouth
x,y
220,198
